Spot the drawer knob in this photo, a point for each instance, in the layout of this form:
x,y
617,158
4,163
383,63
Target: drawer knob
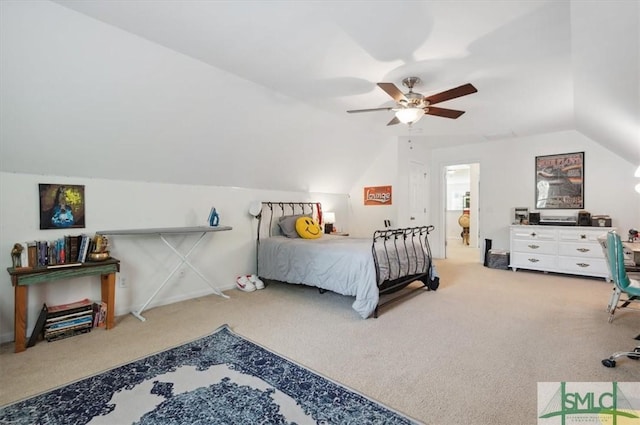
x,y
533,234
583,236
533,260
583,249
533,246
583,265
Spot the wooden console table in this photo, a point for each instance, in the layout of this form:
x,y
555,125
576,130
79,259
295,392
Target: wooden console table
x,y
21,278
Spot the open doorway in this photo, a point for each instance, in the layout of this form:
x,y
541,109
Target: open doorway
x,y
462,183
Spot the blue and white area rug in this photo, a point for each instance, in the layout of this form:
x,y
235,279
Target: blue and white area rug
x,y
219,379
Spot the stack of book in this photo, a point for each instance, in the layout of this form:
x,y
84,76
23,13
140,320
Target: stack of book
x,y
67,320
65,251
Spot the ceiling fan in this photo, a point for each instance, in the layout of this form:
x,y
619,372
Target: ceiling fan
x,y
412,106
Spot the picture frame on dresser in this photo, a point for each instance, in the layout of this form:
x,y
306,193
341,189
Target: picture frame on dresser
x,y
560,181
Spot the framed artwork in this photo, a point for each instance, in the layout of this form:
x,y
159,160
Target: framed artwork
x,y
377,195
560,181
61,206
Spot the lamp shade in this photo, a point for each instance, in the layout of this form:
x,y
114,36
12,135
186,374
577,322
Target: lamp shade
x,y
409,115
330,217
637,173
638,188
255,208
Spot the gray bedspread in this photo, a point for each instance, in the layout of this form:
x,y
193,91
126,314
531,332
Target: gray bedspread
x,y
340,264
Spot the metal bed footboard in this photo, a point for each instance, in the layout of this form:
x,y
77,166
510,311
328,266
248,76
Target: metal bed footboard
x,y
391,247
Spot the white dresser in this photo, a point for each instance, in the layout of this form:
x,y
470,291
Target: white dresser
x,y
561,249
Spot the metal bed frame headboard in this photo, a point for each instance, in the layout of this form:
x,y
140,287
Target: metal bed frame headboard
x,y
272,211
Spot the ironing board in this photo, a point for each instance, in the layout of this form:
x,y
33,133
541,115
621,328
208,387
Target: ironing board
x,y
184,259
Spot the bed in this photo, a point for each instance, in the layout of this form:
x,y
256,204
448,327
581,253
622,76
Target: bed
x,y
366,268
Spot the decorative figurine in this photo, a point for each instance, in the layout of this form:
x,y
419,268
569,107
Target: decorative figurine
x,y
16,255
100,250
100,243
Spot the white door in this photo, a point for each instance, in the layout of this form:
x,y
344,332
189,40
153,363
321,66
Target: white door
x,y
418,191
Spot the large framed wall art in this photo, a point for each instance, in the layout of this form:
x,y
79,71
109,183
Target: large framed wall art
x,y
560,181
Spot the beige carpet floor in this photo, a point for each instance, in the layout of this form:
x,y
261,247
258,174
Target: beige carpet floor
x,y
470,353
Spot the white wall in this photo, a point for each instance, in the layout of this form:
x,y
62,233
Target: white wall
x,y
71,85
508,180
383,171
145,260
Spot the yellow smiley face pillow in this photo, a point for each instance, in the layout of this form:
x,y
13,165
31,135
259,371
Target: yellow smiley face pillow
x,y
308,228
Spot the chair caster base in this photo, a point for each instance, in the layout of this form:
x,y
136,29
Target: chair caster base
x,y
609,362
633,355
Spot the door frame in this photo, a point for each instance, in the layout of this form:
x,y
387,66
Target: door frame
x,y
474,208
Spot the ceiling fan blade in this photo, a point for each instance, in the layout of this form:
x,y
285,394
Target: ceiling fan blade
x,y
442,112
369,110
394,121
451,94
392,91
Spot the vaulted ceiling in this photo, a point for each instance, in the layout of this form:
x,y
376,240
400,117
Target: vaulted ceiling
x,y
282,74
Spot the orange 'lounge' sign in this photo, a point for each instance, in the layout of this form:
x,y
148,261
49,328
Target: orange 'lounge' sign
x,y
377,195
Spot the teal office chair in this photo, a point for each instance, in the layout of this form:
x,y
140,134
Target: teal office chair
x,y
623,285
603,244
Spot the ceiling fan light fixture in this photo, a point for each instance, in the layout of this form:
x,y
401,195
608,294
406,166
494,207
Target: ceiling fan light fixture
x,y
409,115
412,106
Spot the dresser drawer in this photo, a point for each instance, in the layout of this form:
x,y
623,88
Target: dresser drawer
x,y
533,261
585,235
533,234
534,246
581,249
583,266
